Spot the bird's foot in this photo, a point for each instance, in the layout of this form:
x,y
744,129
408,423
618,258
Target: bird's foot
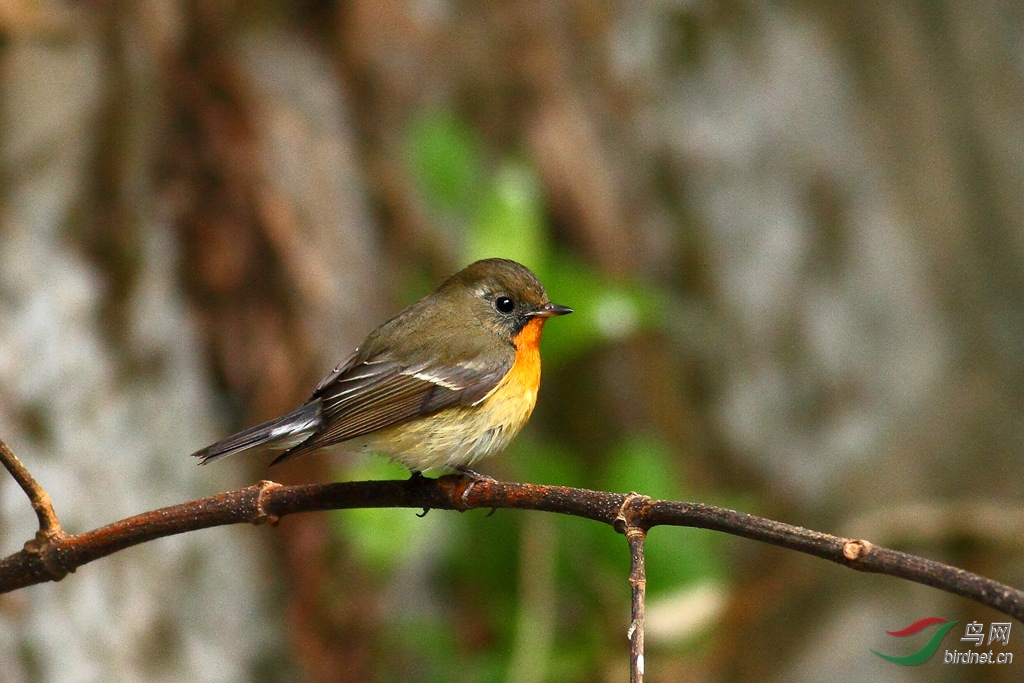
x,y
474,479
417,478
472,474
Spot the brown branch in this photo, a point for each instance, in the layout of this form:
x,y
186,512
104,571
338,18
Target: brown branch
x,y
49,525
267,502
635,537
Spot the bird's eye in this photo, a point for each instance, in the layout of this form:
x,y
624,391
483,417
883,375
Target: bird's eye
x,y
504,304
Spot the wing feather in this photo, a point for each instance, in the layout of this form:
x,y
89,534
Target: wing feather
x,y
363,396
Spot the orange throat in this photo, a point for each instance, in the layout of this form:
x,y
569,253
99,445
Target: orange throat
x,y
520,383
513,399
527,344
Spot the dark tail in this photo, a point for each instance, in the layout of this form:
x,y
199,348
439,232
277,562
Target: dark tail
x,y
276,435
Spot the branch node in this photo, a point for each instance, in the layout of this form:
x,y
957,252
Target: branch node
x,y
44,545
854,550
265,486
625,519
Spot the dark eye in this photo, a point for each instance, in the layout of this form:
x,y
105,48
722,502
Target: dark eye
x,y
504,304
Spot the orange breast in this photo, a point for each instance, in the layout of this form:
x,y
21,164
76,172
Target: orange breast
x,y
527,365
516,394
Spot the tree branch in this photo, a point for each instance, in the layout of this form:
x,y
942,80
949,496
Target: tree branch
x,y
266,502
49,525
635,537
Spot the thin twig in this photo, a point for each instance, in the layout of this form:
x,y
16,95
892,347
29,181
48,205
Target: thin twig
x,y
49,525
635,537
267,502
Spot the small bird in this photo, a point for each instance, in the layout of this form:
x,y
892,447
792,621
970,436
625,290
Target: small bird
x,y
449,380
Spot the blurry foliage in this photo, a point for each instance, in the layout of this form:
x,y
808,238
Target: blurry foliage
x,y
445,158
500,212
675,557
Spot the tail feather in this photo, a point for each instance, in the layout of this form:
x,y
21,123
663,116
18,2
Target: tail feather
x,y
279,434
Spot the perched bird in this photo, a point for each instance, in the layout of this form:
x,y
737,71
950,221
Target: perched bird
x,y
449,380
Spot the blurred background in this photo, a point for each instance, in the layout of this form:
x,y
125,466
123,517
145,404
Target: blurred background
x,y
793,233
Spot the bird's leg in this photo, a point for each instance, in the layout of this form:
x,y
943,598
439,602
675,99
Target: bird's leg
x,y
475,476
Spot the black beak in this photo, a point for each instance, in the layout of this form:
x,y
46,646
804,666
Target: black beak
x,y
549,310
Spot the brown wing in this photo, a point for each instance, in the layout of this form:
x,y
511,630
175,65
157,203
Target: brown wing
x,y
362,397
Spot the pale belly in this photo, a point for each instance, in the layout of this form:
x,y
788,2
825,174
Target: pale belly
x,y
461,436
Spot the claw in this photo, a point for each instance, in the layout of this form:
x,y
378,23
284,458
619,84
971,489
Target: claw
x,y
475,476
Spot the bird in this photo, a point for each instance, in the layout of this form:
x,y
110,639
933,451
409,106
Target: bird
x,y
450,379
